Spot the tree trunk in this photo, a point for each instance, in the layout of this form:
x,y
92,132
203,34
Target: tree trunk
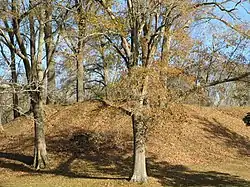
x,y
13,70
105,70
165,48
80,77
1,109
51,81
106,78
19,38
40,153
139,132
14,80
1,126
32,36
80,53
15,99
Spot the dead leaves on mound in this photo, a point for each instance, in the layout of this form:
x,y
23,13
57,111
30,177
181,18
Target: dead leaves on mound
x,y
179,134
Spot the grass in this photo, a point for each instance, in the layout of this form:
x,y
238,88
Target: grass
x,y
19,174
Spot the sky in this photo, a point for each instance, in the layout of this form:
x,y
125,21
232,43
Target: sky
x,y
205,31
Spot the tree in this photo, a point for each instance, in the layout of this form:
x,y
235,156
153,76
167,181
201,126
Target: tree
x,y
32,65
81,21
76,35
40,153
12,61
135,30
138,48
225,58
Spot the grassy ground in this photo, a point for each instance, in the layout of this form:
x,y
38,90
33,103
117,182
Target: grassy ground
x,y
17,174
91,145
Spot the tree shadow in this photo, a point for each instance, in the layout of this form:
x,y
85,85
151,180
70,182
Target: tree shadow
x,y
28,160
103,150
179,175
232,139
110,158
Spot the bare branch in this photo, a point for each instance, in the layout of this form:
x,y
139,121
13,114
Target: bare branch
x,y
230,26
117,49
107,103
238,78
219,5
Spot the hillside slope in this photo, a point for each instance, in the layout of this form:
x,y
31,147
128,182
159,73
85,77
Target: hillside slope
x,y
193,146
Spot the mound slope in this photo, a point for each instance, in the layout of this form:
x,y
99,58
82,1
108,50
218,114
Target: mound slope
x,y
87,139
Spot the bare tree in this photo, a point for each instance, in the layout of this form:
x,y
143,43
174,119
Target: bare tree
x,y
33,66
8,23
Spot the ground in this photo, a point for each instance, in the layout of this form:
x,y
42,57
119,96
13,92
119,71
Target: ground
x,y
90,144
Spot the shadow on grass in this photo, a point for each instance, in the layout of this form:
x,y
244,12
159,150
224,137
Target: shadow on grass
x,y
179,175
229,137
28,160
103,156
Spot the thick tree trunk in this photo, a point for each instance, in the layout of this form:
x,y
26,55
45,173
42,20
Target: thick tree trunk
x,y
40,153
139,131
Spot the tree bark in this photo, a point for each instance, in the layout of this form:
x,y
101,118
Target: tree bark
x,y
19,39
106,77
32,46
139,132
14,80
40,153
51,81
1,109
80,77
105,70
80,52
13,70
165,48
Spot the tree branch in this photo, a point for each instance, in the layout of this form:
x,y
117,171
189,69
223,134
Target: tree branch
x,y
107,103
238,78
219,5
117,49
